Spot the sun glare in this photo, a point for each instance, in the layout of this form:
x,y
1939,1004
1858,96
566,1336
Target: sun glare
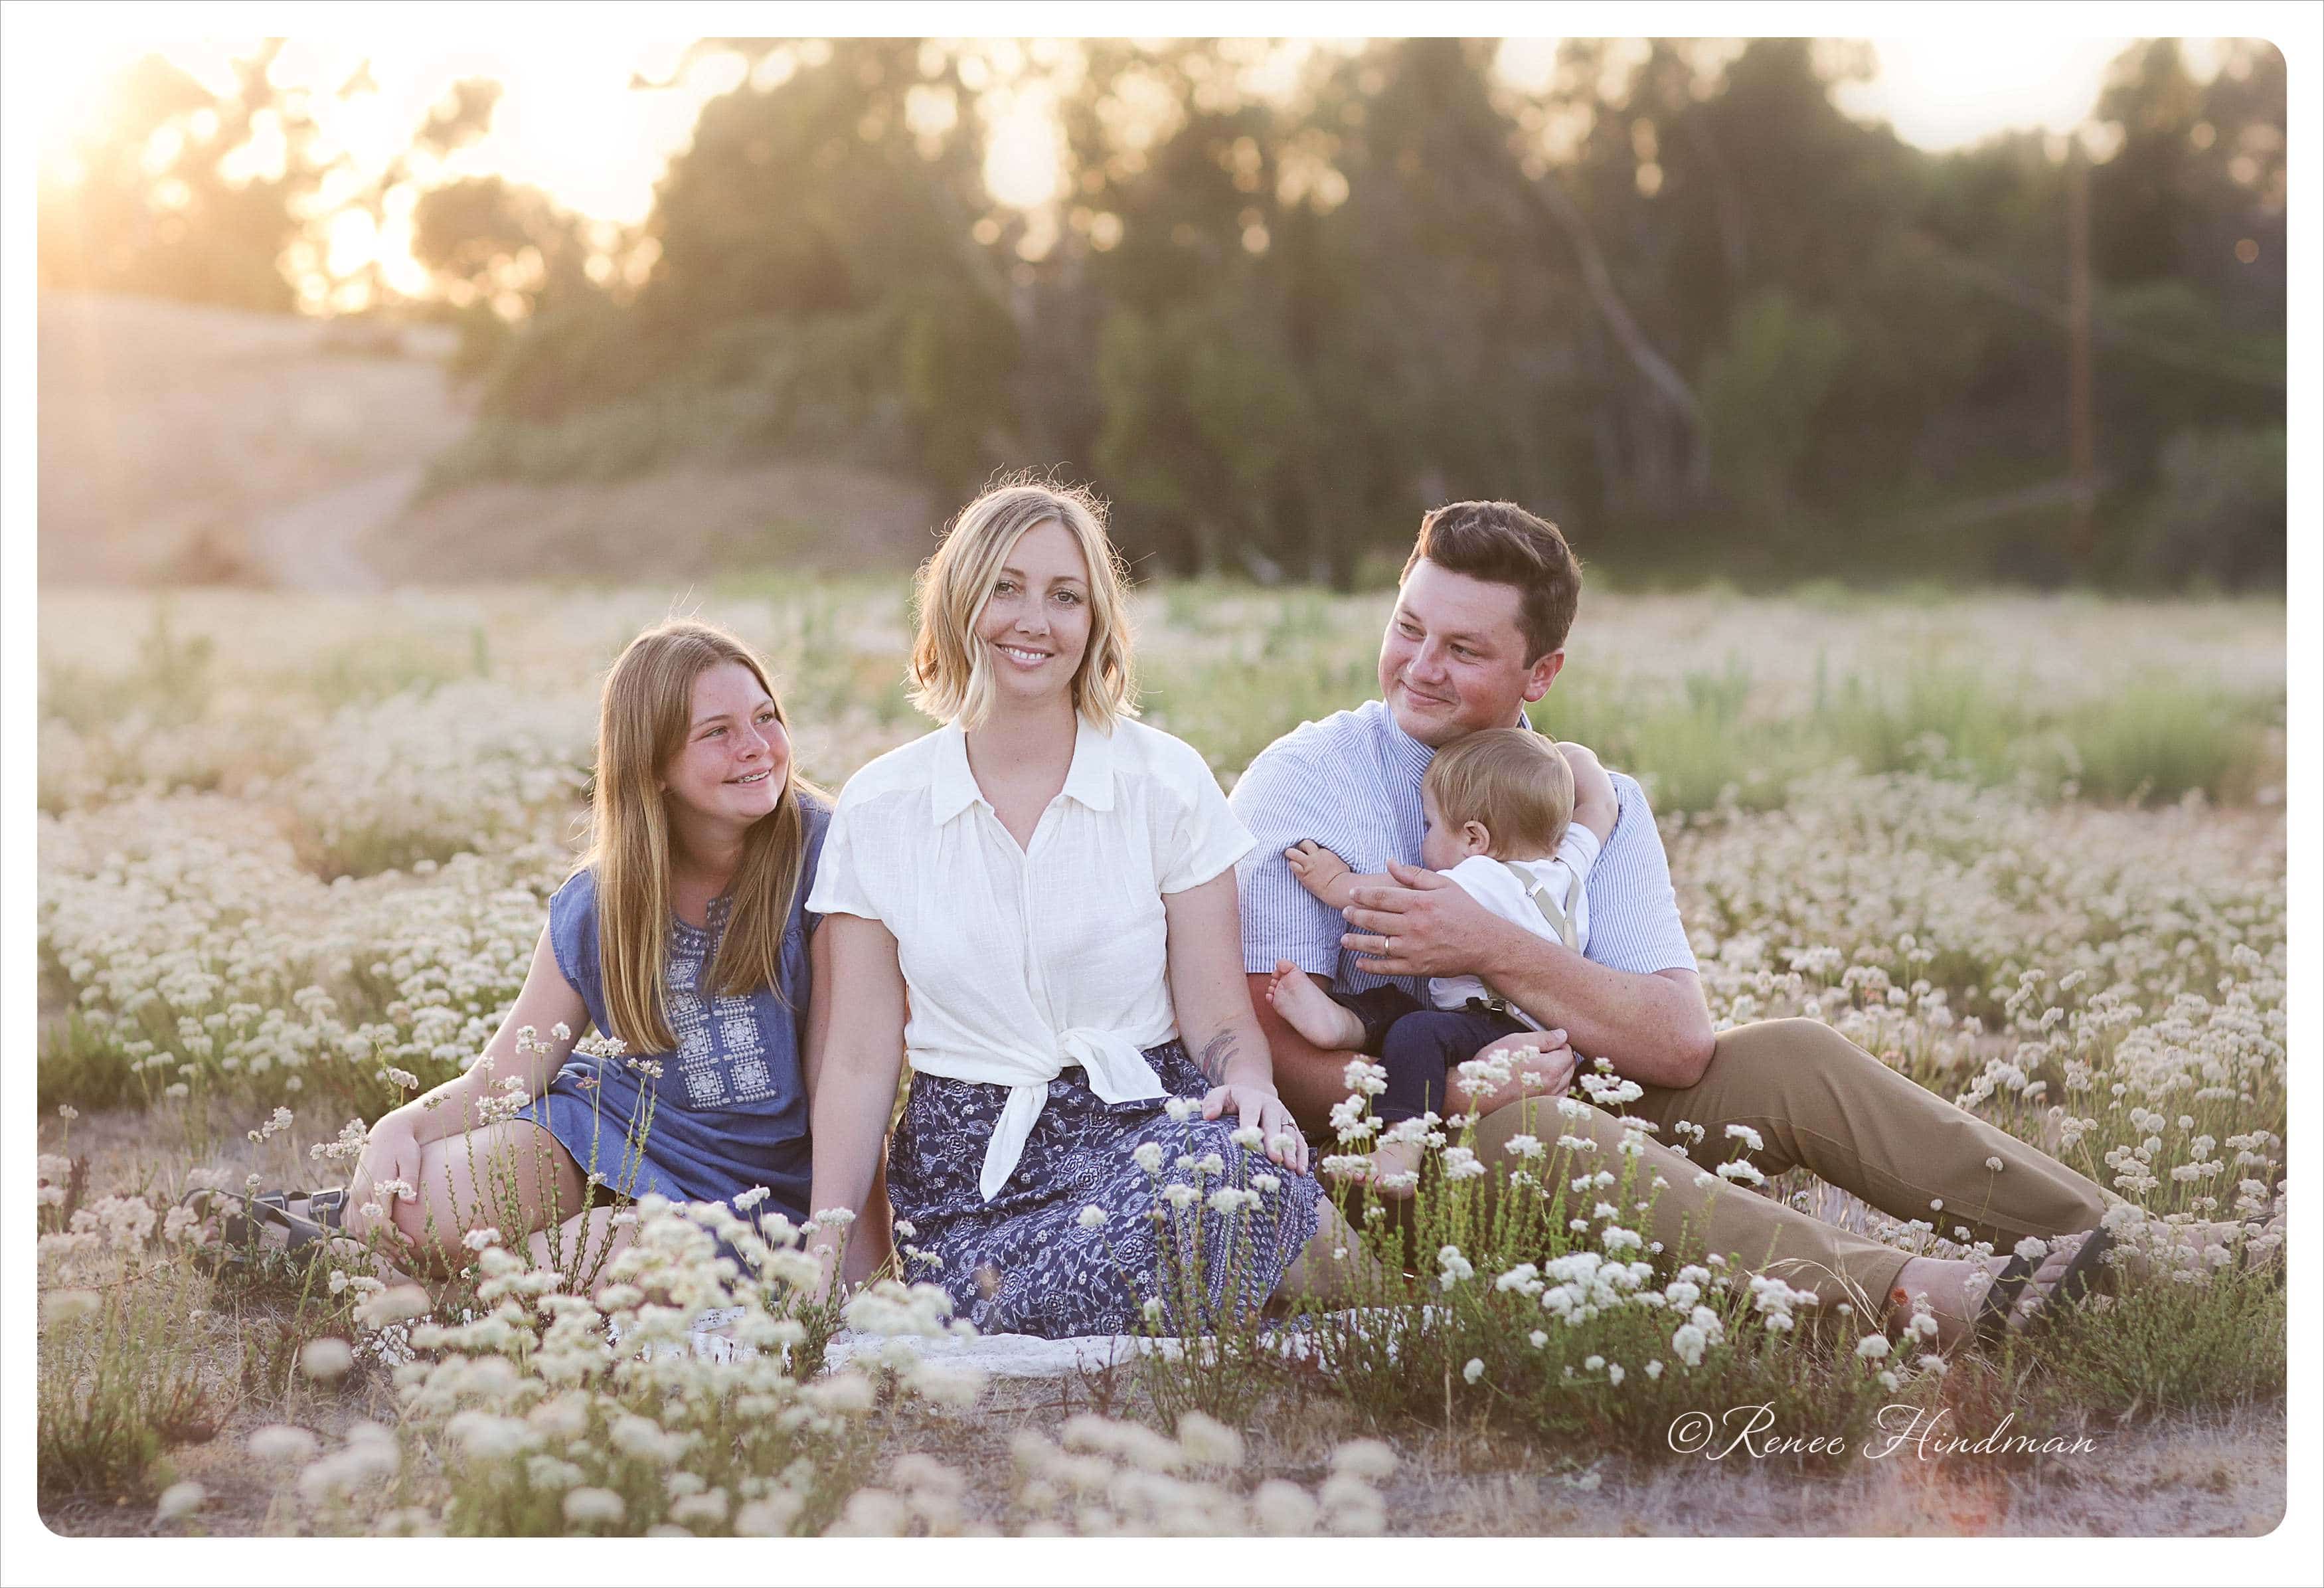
x,y
593,122
1024,163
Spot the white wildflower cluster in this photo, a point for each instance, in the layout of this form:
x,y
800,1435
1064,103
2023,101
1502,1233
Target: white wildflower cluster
x,y
200,950
1776,1301
554,1412
2112,980
427,774
1105,1478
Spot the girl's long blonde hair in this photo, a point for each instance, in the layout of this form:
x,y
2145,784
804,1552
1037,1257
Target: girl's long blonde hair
x,y
643,720
950,677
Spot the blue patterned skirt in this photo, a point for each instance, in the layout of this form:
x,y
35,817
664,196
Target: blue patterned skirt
x,y
1024,1263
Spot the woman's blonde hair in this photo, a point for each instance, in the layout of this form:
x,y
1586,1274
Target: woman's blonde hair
x,y
951,677
1514,781
643,720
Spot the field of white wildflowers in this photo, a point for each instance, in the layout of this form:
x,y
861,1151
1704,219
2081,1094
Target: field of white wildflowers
x,y
294,852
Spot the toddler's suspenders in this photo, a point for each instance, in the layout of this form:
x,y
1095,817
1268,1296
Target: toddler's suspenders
x,y
1560,926
1538,892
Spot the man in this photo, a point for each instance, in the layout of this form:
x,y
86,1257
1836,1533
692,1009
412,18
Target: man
x,y
1478,630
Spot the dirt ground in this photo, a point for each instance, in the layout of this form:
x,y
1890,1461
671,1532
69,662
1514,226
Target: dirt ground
x,y
2220,1474
690,522
194,445
169,434
2212,1476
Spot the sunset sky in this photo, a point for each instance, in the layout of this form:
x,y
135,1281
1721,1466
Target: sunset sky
x,y
569,120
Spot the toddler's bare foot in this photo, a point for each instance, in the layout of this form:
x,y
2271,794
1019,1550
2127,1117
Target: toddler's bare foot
x,y
1309,1011
1319,869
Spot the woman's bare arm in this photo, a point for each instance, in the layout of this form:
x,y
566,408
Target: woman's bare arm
x,y
854,1056
1212,1003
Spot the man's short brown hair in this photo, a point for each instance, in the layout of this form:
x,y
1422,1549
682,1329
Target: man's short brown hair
x,y
1501,543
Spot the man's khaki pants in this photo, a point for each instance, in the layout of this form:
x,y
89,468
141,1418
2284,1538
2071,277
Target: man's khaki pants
x,y
1820,1103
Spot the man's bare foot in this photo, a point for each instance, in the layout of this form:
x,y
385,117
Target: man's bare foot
x,y
2153,1248
1309,1011
1319,870
1953,1292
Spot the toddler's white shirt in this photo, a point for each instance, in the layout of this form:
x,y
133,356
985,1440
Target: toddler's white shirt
x,y
1493,884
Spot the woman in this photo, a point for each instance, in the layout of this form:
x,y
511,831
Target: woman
x,y
1036,904
685,938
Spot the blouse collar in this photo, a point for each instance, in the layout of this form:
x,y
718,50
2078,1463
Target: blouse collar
x,y
1089,780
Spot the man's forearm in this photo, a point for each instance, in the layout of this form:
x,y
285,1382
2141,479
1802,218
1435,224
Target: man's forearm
x,y
1653,1028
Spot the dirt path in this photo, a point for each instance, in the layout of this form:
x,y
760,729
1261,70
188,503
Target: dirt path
x,y
312,544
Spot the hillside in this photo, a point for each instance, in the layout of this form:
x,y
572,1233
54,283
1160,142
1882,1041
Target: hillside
x,y
171,436
190,445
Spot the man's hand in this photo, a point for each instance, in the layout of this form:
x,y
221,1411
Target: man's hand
x,y
1549,1074
1427,926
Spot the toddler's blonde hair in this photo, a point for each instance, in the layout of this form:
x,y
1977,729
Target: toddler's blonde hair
x,y
1513,781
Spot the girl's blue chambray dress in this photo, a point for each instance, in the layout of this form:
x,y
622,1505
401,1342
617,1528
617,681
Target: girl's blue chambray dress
x,y
729,1109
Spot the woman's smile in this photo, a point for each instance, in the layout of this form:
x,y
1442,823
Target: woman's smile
x,y
1023,655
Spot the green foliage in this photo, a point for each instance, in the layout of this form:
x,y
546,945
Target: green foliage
x,y
2163,1347
1763,390
119,1385
170,678
81,1064
2220,514
1726,327
1700,748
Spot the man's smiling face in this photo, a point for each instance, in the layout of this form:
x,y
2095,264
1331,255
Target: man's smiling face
x,y
1453,658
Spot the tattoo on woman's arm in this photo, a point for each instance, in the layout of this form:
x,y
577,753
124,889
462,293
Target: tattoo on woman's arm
x,y
1218,1053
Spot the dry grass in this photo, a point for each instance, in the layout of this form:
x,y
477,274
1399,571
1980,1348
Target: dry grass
x,y
369,800
696,522
167,433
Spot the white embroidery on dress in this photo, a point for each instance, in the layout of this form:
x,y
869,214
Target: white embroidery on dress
x,y
722,1050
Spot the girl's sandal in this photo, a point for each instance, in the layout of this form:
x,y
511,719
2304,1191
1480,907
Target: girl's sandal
x,y
266,1224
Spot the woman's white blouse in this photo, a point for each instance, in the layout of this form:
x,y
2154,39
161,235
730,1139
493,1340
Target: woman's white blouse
x,y
1021,962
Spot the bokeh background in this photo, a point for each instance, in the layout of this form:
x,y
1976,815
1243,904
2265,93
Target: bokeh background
x,y
1976,310
1918,408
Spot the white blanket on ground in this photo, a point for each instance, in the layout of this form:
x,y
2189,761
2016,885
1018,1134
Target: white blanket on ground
x,y
997,1356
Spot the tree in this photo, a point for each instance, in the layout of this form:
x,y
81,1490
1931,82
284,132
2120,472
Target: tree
x,y
164,196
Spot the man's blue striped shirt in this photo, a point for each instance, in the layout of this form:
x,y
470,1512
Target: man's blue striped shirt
x,y
1352,782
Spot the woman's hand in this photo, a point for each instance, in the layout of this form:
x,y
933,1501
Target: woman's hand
x,y
1259,1106
388,1171
822,1246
